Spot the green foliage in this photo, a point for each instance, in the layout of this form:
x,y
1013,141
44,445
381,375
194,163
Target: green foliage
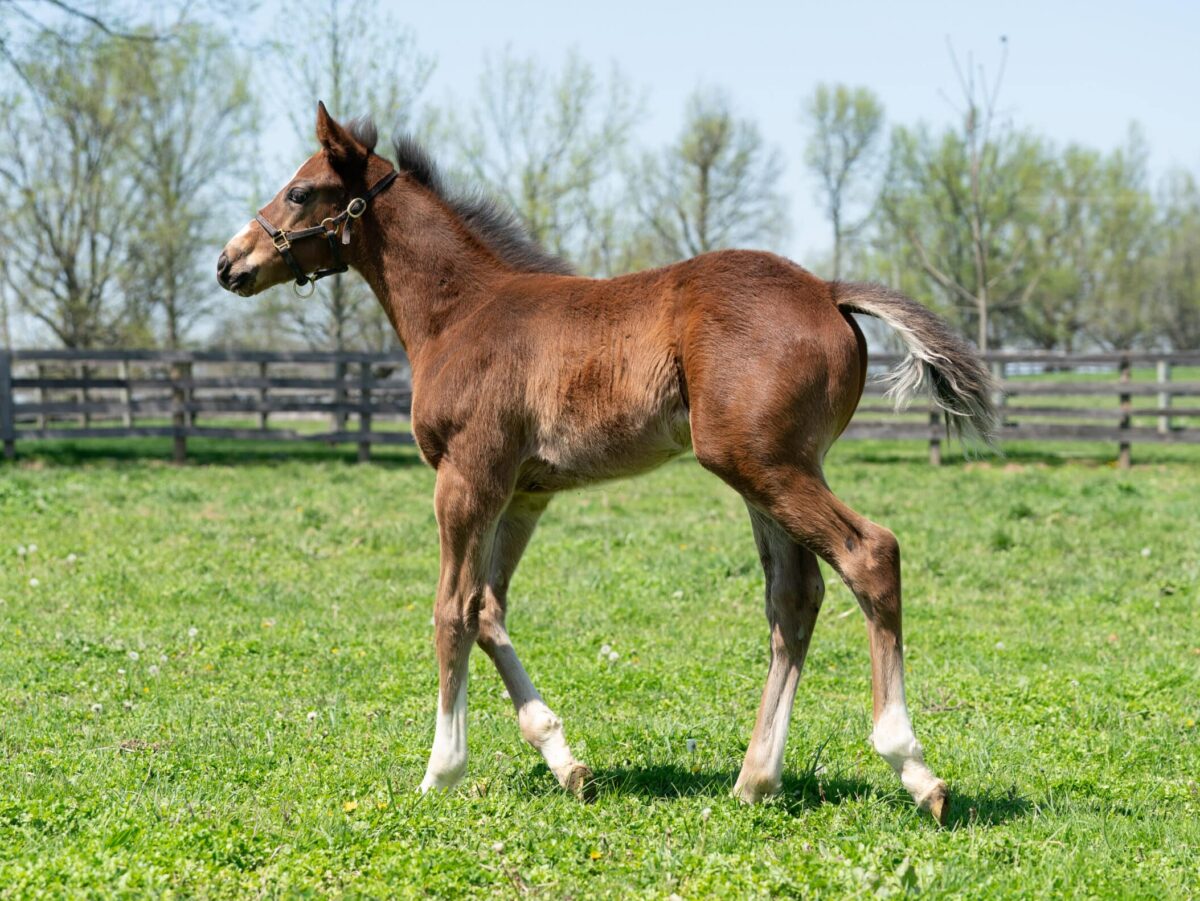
x,y
1052,678
550,146
845,130
716,186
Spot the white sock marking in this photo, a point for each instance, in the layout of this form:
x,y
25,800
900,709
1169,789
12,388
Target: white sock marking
x,y
448,760
893,738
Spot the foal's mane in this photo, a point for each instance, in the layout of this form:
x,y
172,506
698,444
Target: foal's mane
x,y
489,220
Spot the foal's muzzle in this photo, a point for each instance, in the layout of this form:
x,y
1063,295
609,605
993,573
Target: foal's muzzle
x,y
238,282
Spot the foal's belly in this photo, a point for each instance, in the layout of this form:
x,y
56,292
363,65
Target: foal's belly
x,y
570,453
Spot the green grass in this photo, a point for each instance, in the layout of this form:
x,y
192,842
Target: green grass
x,y
1053,658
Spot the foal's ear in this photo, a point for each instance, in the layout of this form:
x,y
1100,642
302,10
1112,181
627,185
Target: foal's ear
x,y
345,153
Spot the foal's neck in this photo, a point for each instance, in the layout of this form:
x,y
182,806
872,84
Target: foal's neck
x,y
427,269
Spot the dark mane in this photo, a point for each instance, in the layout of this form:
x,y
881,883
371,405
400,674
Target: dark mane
x,y
494,224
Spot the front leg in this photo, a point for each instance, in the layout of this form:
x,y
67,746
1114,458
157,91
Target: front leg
x,y
467,511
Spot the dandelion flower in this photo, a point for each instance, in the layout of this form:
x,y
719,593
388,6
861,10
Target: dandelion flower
x,y
706,813
120,671
128,705
350,806
33,548
193,632
97,708
691,746
153,669
1145,552
20,550
72,559
34,583
133,655
612,656
312,716
498,847
604,649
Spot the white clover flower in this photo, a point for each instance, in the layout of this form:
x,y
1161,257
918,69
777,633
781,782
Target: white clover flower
x,y
706,813
193,632
153,669
605,649
33,548
1145,552
20,550
128,705
498,847
120,672
612,656
72,559
34,583
162,658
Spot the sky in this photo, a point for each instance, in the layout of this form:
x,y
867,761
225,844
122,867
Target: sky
x,y
1076,72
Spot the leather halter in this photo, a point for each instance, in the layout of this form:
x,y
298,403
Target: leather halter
x,y
335,230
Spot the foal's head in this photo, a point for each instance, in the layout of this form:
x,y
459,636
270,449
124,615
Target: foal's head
x,y
316,195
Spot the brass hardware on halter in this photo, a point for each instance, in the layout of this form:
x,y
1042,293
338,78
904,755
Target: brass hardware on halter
x,y
356,208
312,288
281,242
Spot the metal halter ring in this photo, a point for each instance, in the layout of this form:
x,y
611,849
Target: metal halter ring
x,y
356,207
312,288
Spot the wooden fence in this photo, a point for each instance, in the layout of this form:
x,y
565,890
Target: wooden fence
x,y
365,398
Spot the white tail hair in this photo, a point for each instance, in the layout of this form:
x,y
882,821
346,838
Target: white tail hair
x,y
939,360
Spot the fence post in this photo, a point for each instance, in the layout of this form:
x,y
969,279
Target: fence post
x,y
8,429
263,394
85,418
179,372
935,438
126,395
999,370
1164,397
43,398
339,395
1125,450
364,412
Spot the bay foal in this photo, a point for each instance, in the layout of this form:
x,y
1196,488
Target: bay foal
x,y
528,380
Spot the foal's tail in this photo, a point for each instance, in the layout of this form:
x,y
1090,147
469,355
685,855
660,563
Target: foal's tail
x,y
938,359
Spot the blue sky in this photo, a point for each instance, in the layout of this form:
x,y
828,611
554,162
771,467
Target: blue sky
x,y
1076,72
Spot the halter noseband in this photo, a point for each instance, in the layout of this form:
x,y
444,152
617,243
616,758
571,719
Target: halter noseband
x,y
335,230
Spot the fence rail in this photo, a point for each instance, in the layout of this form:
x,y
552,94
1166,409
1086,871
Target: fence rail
x,y
365,398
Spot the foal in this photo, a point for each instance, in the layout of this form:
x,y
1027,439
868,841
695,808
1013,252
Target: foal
x,y
528,380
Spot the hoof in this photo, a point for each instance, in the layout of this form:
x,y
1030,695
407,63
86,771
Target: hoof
x,y
938,803
751,790
581,782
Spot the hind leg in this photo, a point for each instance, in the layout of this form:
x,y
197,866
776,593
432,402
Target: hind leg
x,y
794,592
867,557
539,726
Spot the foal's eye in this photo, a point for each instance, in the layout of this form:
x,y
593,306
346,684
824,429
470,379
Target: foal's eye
x,y
297,196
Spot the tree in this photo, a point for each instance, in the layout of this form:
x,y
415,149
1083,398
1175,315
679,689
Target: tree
x,y
1177,302
189,130
550,145
845,132
72,200
961,203
716,186
360,62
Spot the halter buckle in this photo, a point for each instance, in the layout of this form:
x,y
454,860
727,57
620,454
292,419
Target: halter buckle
x,y
281,242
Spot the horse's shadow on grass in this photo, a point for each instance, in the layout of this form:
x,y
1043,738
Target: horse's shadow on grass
x,y
802,793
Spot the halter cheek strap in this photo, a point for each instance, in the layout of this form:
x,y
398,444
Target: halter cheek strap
x,y
335,230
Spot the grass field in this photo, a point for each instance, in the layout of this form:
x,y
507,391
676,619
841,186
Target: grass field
x,y
219,680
